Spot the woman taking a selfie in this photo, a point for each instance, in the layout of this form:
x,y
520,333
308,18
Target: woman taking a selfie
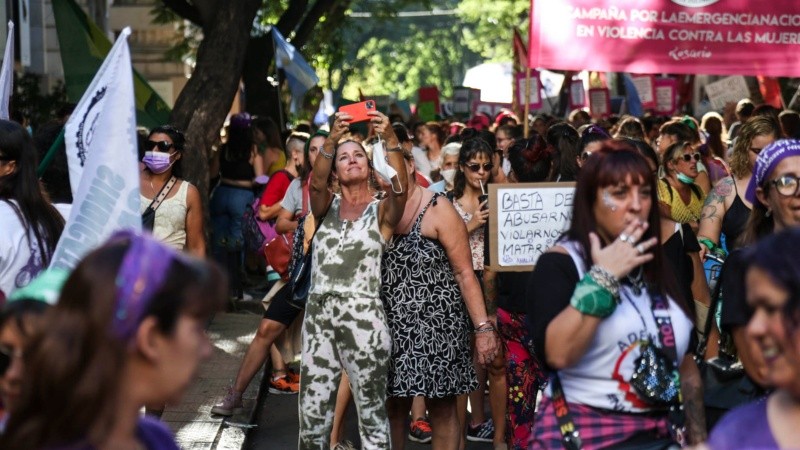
x,y
345,325
607,320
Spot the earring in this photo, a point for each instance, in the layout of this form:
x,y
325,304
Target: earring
x,y
769,213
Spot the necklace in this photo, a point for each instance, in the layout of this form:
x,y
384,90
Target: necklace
x,y
637,281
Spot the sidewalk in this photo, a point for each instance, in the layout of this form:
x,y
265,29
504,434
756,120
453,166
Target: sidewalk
x,y
191,421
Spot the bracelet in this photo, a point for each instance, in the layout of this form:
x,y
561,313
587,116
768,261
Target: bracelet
x,y
485,322
398,149
707,242
326,155
488,329
592,299
605,280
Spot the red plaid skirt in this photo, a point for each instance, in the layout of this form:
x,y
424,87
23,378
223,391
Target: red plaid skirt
x,y
598,428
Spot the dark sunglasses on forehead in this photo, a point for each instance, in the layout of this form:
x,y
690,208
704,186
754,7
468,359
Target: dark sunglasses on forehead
x,y
163,146
688,157
475,167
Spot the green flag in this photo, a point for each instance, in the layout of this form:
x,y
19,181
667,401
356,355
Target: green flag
x,y
83,49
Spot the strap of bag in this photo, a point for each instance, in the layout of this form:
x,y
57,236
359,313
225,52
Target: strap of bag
x,y
162,194
570,437
305,195
664,324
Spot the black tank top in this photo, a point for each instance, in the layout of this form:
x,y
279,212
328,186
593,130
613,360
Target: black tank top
x,y
734,221
235,169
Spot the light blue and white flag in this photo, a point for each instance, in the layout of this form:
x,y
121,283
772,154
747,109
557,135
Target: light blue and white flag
x,y
299,74
102,156
632,100
7,74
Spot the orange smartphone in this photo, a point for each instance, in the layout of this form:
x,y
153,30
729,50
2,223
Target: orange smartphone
x,y
358,110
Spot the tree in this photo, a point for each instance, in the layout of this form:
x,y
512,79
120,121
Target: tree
x,y
203,104
492,26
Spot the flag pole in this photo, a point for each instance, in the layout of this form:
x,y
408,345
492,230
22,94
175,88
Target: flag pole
x,y
527,98
51,153
278,79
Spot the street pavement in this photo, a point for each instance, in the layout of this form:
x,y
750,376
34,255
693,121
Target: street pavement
x,y
269,422
276,426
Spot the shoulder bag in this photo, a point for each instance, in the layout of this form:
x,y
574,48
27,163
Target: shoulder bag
x,y
149,214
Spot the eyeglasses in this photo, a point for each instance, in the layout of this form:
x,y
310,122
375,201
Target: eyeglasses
x,y
6,356
475,167
688,157
787,185
162,145
585,155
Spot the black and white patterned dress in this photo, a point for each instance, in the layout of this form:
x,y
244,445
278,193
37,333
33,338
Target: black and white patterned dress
x,y
428,321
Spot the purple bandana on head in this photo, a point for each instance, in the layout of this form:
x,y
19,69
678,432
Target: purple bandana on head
x,y
768,159
142,274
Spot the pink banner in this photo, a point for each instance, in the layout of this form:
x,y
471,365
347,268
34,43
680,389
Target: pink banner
x,y
720,37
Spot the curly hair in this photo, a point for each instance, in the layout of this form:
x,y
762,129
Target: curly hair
x,y
740,164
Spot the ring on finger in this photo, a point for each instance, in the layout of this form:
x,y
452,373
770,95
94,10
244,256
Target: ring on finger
x,y
624,238
640,249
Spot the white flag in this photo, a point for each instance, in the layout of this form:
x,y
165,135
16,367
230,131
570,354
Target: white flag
x,y
102,155
7,74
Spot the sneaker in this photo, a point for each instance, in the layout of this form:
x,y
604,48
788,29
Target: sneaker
x,y
230,405
283,386
482,432
420,431
344,445
292,376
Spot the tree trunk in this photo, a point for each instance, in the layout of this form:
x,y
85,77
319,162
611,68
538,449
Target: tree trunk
x,y
204,102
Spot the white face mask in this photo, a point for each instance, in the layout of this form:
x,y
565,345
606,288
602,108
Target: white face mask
x,y
381,165
449,175
506,166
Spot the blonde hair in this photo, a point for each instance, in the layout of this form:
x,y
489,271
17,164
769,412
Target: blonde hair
x,y
740,164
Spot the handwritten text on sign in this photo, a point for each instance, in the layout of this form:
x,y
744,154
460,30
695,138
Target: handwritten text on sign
x,y
528,220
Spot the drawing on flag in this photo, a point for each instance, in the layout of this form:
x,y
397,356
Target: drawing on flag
x,y
101,152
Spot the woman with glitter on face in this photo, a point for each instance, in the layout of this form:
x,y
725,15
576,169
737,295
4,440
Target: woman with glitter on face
x,y
606,318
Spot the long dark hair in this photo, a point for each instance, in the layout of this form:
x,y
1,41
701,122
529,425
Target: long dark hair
x,y
178,142
23,192
74,365
531,159
470,148
564,141
239,144
775,256
611,165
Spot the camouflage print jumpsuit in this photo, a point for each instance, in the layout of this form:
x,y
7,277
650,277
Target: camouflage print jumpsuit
x,y
345,328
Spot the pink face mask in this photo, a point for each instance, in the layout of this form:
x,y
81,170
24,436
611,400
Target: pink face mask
x,y
157,162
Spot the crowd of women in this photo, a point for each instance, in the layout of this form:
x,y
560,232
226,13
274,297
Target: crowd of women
x,y
665,316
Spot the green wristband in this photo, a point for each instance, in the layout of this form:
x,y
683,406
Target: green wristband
x,y
708,243
592,299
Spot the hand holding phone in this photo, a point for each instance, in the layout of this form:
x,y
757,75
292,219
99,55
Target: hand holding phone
x,y
358,111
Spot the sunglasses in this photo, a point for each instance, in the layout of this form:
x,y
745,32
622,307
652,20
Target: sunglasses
x,y
787,185
585,155
163,146
688,157
475,167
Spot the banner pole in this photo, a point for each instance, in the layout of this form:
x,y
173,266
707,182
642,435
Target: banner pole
x,y
51,153
527,98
